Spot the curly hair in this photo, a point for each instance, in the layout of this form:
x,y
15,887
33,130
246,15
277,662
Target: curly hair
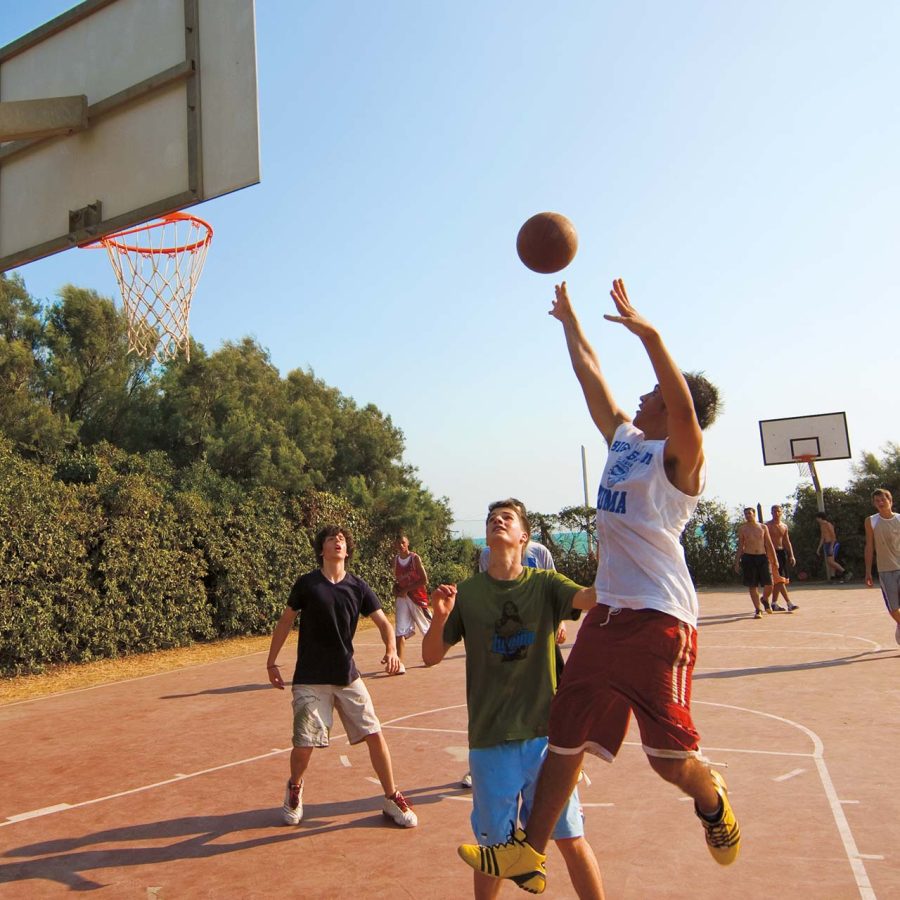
x,y
705,395
332,531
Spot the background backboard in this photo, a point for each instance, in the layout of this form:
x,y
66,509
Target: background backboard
x,y
172,119
823,436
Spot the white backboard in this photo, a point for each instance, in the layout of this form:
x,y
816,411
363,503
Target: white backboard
x,y
823,436
172,119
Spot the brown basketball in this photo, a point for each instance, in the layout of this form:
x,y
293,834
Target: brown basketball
x,y
547,242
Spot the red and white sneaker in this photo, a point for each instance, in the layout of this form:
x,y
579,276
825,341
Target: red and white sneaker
x,y
399,811
292,811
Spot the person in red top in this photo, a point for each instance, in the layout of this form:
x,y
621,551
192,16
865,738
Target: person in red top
x,y
410,596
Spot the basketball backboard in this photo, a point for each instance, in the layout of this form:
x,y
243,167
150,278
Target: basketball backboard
x,y
170,88
821,437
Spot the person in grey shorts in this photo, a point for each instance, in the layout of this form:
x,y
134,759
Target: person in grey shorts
x,y
883,543
329,601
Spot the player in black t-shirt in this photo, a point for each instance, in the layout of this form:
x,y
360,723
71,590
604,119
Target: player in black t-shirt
x,y
329,601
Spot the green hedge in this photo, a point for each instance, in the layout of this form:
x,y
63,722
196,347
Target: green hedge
x,y
109,553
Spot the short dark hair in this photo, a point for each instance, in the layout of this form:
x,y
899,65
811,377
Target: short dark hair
x,y
749,509
883,492
705,395
328,531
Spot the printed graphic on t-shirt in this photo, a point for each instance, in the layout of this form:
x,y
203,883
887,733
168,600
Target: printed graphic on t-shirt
x,y
620,469
511,638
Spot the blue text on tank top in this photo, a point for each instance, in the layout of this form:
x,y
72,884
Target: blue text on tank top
x,y
616,501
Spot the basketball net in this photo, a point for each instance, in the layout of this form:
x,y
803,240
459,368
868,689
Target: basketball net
x,y
158,265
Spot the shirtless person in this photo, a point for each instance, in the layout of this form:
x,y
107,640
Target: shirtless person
x,y
827,542
752,560
784,554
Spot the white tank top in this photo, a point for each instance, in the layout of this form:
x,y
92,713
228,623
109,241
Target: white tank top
x,y
640,517
887,542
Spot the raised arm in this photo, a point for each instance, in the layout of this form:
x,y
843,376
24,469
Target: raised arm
x,y
606,414
684,446
434,648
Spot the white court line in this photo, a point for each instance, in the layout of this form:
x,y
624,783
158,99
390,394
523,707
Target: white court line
x,y
345,761
863,885
853,855
787,775
21,817
414,728
11,820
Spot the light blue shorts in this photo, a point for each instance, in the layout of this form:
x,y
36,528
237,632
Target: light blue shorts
x,y
504,778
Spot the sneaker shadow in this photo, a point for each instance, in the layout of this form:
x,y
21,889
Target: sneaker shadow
x,y
189,837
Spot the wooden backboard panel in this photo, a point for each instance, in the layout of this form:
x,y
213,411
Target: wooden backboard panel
x,y
173,121
823,436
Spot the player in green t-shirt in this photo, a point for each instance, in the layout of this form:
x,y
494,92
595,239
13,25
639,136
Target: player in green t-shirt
x,y
508,617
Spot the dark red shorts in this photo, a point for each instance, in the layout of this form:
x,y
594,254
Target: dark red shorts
x,y
626,661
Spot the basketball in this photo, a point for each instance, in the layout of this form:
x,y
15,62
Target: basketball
x,y
547,242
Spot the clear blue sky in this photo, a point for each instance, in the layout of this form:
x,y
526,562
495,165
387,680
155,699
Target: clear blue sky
x,y
735,163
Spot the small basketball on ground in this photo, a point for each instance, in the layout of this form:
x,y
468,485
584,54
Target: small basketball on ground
x,y
547,242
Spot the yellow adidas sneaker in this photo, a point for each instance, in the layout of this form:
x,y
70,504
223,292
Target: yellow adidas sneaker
x,y
723,837
516,860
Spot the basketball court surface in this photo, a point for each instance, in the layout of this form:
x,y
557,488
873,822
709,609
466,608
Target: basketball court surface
x,y
170,786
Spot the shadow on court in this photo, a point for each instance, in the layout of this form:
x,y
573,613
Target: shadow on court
x,y
229,689
868,656
710,621
195,837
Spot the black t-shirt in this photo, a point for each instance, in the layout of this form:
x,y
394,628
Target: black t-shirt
x,y
329,614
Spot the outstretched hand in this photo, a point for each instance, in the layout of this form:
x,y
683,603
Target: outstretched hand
x,y
562,308
628,315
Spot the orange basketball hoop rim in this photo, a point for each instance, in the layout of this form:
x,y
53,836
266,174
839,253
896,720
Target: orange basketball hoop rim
x,y
157,266
133,247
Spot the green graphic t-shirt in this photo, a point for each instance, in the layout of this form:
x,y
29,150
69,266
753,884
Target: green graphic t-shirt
x,y
509,629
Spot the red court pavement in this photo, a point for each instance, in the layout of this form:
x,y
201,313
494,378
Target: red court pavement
x,y
169,786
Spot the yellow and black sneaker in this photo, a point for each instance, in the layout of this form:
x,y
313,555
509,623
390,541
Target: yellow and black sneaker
x,y
516,860
723,836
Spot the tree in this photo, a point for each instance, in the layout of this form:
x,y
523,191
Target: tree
x,y
27,417
92,379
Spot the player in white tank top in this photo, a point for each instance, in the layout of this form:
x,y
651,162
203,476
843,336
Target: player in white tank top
x,y
883,547
651,484
640,517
